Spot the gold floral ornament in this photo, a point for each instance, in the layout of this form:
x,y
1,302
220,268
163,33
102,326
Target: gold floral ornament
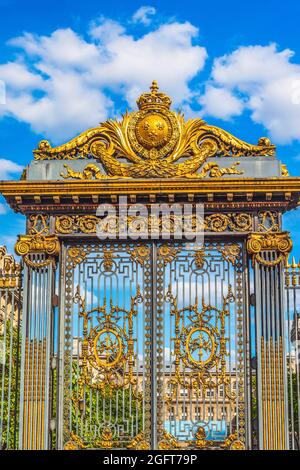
x,y
153,142
76,255
230,252
233,443
139,443
75,443
259,244
106,441
169,442
140,253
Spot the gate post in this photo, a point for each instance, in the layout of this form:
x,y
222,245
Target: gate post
x,y
269,253
39,253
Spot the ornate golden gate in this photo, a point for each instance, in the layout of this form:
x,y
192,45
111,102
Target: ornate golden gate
x,y
154,349
151,340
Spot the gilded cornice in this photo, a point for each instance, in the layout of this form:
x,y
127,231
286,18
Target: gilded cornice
x,y
140,186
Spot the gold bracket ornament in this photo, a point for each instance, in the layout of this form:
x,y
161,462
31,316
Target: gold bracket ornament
x,y
259,244
153,142
47,245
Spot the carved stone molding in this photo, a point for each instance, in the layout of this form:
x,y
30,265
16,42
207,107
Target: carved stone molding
x,y
259,244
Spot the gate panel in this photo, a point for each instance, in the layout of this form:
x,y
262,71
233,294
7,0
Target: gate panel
x,y
106,346
201,346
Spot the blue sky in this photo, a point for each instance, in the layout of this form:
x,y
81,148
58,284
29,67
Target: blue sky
x,y
68,65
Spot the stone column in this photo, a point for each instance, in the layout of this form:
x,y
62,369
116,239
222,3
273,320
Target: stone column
x,y
269,252
39,254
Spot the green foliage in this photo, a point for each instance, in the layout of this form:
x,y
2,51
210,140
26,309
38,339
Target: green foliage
x,y
293,385
98,410
9,404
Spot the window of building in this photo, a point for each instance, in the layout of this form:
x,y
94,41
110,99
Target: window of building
x,y
184,412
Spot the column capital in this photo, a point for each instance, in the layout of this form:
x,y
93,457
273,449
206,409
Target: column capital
x,y
38,244
258,244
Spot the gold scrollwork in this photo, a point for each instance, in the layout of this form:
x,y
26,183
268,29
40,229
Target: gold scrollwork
x,y
167,253
135,225
75,443
91,171
139,443
139,254
168,442
76,255
241,222
200,346
268,221
233,443
108,355
260,243
230,252
39,224
155,142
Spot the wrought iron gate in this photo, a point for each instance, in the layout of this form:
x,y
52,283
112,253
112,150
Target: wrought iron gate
x,y
153,346
161,344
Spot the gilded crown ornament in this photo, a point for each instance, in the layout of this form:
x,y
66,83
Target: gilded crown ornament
x,y
155,99
153,142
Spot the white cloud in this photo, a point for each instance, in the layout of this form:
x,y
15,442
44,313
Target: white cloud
x,y
263,80
60,84
3,209
7,168
144,15
220,103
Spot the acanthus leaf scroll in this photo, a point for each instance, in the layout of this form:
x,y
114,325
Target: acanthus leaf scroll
x,y
153,142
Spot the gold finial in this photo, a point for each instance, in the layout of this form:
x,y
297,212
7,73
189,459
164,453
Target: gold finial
x,y
154,87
